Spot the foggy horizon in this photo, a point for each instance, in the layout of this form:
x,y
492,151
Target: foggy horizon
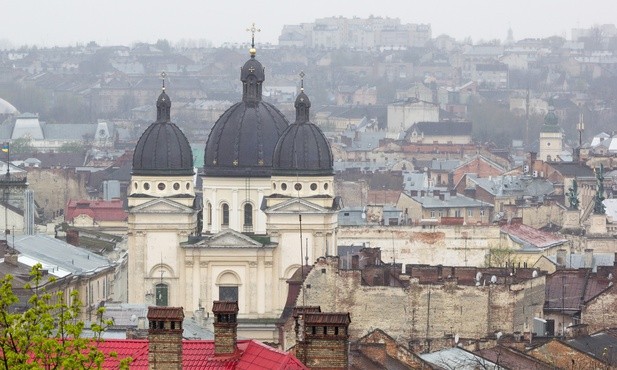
x,y
70,22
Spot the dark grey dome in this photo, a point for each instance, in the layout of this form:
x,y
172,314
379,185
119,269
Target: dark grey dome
x,y
163,150
302,149
242,140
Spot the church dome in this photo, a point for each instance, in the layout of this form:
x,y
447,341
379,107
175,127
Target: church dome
x,y
163,150
551,121
302,149
242,140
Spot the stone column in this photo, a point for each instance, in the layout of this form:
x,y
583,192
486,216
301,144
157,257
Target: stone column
x,y
253,288
234,212
216,212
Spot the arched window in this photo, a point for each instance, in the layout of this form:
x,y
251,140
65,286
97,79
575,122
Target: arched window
x,y
162,293
225,211
209,214
228,284
248,217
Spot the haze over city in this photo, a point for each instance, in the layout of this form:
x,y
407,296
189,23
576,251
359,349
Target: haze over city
x,y
67,22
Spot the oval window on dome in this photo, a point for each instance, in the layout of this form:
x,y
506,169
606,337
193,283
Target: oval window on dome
x,y
135,185
176,186
325,186
283,186
274,185
188,185
146,186
313,186
298,186
161,186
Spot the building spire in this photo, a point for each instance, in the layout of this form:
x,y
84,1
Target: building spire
x,y
163,104
302,103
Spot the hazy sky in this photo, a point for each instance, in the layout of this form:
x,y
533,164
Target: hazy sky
x,y
66,22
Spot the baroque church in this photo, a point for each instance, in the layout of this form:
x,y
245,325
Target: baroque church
x,y
268,208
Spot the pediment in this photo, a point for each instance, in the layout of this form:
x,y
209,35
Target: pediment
x,y
232,239
296,205
161,205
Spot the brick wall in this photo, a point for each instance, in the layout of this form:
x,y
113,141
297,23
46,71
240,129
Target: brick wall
x,y
423,311
562,356
165,350
441,245
601,312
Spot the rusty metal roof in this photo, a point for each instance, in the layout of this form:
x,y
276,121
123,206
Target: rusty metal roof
x,y
165,313
224,307
301,310
327,318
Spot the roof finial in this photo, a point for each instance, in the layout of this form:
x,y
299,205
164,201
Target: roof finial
x,y
163,75
252,30
302,80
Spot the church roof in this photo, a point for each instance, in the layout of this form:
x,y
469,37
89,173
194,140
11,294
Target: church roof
x,y
242,140
302,149
163,150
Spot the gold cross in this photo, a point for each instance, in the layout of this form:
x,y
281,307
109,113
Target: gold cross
x,y
252,30
302,81
163,75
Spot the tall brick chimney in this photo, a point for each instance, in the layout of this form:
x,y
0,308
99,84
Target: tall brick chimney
x,y
225,327
165,338
325,342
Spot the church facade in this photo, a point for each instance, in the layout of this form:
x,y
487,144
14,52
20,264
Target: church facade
x,y
268,208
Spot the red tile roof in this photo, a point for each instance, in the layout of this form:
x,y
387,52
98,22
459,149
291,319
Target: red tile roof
x,y
100,210
199,354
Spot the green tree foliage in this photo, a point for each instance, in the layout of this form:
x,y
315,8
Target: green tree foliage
x,y
48,335
22,145
500,257
72,147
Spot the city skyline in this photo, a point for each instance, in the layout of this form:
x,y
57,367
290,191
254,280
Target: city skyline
x,y
70,22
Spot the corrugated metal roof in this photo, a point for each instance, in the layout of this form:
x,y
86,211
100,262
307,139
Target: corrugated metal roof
x,y
58,255
165,313
327,318
199,354
224,307
530,237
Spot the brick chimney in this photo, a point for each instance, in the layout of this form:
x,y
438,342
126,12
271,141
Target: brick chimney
x,y
325,342
225,327
165,338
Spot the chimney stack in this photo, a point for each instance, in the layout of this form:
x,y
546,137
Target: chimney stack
x,y
225,327
165,338
324,344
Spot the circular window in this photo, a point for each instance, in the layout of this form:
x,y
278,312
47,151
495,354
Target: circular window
x,y
313,186
298,186
548,144
135,185
325,186
274,185
161,186
188,185
283,186
147,186
176,186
